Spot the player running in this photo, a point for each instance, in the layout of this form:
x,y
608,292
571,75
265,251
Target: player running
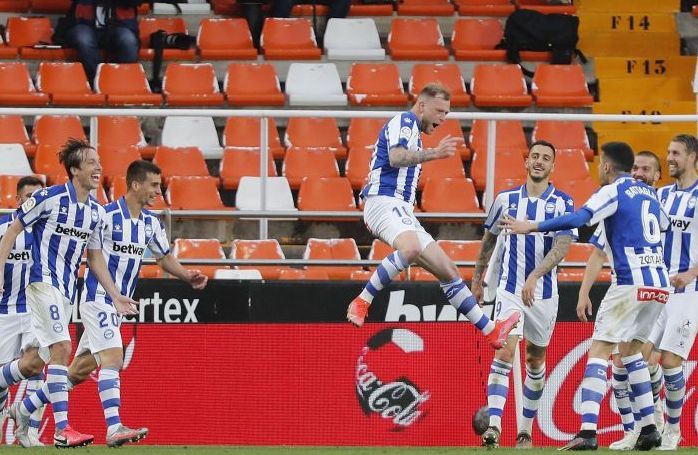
x,y
64,219
388,212
632,220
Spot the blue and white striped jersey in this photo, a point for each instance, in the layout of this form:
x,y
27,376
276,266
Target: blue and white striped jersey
x,y
16,273
124,242
632,220
523,253
385,180
681,238
61,228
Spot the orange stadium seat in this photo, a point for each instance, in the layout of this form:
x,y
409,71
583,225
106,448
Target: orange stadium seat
x,y
57,129
8,191
301,163
237,163
507,184
476,39
50,6
560,86
194,193
446,167
484,7
545,7
46,163
101,195
358,8
199,249
462,250
191,84
357,166
579,190
116,159
452,194
17,88
448,127
180,161
499,85
258,249
118,188
563,135
375,84
15,6
253,84
425,8
312,273
508,165
150,271
289,39
570,164
416,39
225,39
333,249
363,132
315,132
580,252
13,131
66,84
24,33
244,133
150,25
326,194
120,131
510,136
447,74
125,84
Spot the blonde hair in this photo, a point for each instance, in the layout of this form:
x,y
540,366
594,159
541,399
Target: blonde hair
x,y
436,89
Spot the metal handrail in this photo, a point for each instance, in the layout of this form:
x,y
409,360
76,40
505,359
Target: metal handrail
x,y
313,262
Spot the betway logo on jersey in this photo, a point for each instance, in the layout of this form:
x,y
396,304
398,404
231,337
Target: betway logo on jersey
x,y
130,248
72,232
398,310
680,224
19,256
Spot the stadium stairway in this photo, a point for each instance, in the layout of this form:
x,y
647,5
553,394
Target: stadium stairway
x,y
639,68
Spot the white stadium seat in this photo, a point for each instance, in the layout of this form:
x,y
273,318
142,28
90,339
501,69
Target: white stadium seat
x,y
193,132
353,39
13,160
278,194
314,84
234,274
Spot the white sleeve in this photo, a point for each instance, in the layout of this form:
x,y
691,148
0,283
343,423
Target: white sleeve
x,y
602,204
494,215
36,207
96,240
159,246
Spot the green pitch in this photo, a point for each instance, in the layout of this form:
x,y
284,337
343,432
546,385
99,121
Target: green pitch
x,y
278,450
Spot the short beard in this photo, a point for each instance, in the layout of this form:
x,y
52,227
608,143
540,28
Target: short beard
x,y
537,179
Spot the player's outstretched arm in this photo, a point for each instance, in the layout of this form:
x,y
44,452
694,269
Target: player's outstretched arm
x,y
401,157
98,266
559,223
557,253
591,272
489,242
171,265
6,244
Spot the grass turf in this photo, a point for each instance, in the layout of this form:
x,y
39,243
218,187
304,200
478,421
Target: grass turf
x,y
280,450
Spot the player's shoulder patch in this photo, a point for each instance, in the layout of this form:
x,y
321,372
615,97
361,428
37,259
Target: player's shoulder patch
x,y
405,132
29,204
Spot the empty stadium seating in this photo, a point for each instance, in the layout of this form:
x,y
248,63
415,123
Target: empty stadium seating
x,y
237,163
447,74
252,85
258,249
289,39
31,37
181,161
314,84
451,167
453,194
499,85
277,197
376,84
333,249
199,249
326,194
314,132
116,159
13,131
123,131
57,129
194,193
191,84
563,135
244,133
192,132
17,88
560,86
449,127
352,39
416,39
510,136
225,39
125,84
66,84
302,163
357,166
13,160
363,132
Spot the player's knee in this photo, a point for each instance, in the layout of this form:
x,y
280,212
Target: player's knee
x,y
671,360
113,364
60,352
410,253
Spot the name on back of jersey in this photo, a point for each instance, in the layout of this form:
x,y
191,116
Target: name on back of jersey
x,y
633,191
645,259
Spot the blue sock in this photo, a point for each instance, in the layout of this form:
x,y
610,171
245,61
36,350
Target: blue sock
x,y
462,299
593,390
389,268
497,391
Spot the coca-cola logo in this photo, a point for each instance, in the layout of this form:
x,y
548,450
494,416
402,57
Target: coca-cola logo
x,y
381,387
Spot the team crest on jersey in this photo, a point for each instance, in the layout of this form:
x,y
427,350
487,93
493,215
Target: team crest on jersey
x,y
148,230
28,204
405,132
58,327
550,207
692,202
109,334
95,215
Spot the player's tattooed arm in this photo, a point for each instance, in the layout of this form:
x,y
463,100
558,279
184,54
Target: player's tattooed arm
x,y
401,157
561,245
489,242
